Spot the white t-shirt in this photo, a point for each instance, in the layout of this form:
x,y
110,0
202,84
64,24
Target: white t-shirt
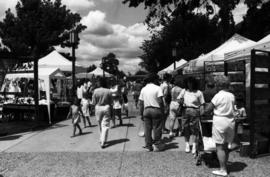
x,y
150,94
224,110
80,92
192,99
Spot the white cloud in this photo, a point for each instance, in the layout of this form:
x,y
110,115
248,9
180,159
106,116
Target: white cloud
x,y
4,5
102,37
239,11
96,24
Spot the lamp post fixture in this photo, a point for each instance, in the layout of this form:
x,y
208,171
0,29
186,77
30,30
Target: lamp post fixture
x,y
73,39
174,54
102,67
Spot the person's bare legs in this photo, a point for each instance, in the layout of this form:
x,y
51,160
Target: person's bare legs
x,y
171,125
222,154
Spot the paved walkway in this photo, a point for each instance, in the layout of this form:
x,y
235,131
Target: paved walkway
x,y
57,138
53,153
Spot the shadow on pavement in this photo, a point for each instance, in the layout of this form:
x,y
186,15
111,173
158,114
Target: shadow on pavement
x,y
127,125
237,166
171,146
54,126
12,137
167,140
85,133
114,142
16,127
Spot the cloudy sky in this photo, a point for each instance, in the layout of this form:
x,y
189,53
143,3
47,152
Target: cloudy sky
x,y
111,27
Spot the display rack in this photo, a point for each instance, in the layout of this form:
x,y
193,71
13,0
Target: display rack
x,y
260,103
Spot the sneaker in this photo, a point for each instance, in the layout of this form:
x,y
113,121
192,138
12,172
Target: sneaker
x,y
141,134
220,173
187,149
171,135
193,151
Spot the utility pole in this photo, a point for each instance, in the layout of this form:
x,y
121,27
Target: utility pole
x,y
73,40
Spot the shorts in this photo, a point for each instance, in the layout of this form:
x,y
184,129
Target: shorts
x,y
223,137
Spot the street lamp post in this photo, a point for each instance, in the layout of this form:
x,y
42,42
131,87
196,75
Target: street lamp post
x,y
73,40
174,54
102,67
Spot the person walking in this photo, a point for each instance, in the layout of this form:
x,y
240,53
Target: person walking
x,y
85,105
117,103
166,89
151,110
174,106
124,91
223,129
75,114
191,98
102,100
136,92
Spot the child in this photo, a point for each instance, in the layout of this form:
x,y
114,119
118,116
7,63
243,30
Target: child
x,y
75,112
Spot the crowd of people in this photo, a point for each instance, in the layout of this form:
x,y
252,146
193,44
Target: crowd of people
x,y
176,99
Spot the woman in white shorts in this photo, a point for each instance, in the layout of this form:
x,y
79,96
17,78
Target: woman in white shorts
x,y
223,121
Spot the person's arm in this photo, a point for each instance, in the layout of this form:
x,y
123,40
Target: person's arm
x,y
94,100
161,104
209,108
141,104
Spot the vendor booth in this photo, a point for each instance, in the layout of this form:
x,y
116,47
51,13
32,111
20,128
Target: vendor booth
x,y
256,59
18,89
235,42
171,68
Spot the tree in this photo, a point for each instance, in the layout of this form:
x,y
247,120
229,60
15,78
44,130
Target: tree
x,y
256,23
140,72
110,64
184,30
161,12
37,26
91,68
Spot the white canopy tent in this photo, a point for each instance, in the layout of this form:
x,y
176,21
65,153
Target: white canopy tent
x,y
82,75
235,42
45,74
263,44
56,60
171,68
245,54
98,72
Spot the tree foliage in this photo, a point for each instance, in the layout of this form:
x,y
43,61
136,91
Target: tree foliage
x,y
91,68
110,64
191,41
256,23
37,26
140,72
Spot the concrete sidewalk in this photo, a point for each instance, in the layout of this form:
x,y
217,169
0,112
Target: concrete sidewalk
x,y
57,138
53,153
